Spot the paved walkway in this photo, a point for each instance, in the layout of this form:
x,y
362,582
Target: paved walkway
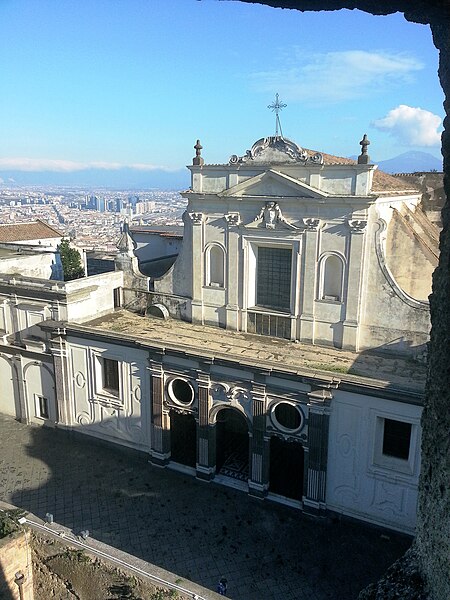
x,y
197,530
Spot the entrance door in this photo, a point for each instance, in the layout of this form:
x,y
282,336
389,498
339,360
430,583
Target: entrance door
x,y
286,468
232,444
183,439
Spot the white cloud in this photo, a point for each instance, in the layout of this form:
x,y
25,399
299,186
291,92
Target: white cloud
x,y
336,76
411,126
43,164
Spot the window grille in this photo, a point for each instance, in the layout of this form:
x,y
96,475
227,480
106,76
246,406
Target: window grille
x,y
273,278
273,325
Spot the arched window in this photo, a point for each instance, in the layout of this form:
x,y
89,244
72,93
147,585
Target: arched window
x,y
332,277
215,266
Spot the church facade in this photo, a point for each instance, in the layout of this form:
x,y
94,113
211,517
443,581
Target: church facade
x,y
284,357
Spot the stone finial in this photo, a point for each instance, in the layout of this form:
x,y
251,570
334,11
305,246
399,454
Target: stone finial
x,y
198,160
364,158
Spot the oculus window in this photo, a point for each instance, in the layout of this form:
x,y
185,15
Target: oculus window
x,y
273,278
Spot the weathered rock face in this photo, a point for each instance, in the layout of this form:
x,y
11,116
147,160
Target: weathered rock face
x,y
433,531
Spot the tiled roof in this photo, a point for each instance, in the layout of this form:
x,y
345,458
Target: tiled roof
x,y
35,230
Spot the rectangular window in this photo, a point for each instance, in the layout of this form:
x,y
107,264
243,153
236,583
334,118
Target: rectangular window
x,y
42,406
273,278
110,374
396,439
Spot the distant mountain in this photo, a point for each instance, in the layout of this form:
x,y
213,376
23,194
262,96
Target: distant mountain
x,y
410,162
125,178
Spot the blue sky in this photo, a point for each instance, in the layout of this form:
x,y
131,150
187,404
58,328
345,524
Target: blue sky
x,y
136,82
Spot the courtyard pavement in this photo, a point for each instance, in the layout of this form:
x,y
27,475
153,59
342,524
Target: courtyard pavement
x,y
197,530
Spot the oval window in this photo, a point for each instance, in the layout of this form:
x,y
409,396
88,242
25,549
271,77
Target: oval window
x,y
287,416
181,391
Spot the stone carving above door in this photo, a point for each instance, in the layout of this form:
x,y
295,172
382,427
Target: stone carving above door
x,y
271,217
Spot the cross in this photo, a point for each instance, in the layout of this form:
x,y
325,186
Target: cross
x,y
276,107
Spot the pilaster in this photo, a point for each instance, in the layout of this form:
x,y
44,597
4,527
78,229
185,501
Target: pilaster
x,y
59,351
350,337
316,457
20,389
258,483
206,434
197,266
232,286
160,426
308,280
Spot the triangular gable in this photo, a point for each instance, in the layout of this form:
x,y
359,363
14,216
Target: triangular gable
x,y
272,183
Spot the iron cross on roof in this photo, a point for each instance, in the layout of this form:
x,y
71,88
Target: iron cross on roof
x,y
276,107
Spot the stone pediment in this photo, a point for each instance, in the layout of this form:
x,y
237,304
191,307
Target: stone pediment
x,y
273,184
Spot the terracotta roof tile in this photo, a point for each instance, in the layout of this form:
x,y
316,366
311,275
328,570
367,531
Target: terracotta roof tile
x,y
35,230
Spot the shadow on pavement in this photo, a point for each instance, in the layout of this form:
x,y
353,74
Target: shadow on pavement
x,y
197,530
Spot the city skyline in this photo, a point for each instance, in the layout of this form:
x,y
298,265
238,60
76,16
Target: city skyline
x,y
111,87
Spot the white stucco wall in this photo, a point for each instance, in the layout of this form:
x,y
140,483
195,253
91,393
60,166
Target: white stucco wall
x,y
39,381
360,481
8,401
125,418
92,297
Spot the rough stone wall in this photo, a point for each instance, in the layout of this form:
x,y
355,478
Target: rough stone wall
x,y
433,530
15,557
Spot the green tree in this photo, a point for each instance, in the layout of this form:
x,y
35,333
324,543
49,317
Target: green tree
x,y
71,261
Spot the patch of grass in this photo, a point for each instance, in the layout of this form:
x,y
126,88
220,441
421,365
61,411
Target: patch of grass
x,y
8,521
77,555
164,595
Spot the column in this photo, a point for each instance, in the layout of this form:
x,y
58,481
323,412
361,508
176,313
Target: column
x,y
20,389
350,337
316,457
197,266
308,281
258,482
206,434
160,422
58,348
232,276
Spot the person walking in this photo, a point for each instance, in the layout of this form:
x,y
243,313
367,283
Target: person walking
x,y
222,587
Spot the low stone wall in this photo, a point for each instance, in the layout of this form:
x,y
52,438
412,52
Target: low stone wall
x,y
15,559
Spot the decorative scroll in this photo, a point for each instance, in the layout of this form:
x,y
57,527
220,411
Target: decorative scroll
x,y
290,150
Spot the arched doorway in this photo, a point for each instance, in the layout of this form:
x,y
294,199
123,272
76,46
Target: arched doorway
x,y
183,439
286,468
232,445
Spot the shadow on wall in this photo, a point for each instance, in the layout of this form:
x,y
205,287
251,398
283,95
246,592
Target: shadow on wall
x,y
5,592
182,525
